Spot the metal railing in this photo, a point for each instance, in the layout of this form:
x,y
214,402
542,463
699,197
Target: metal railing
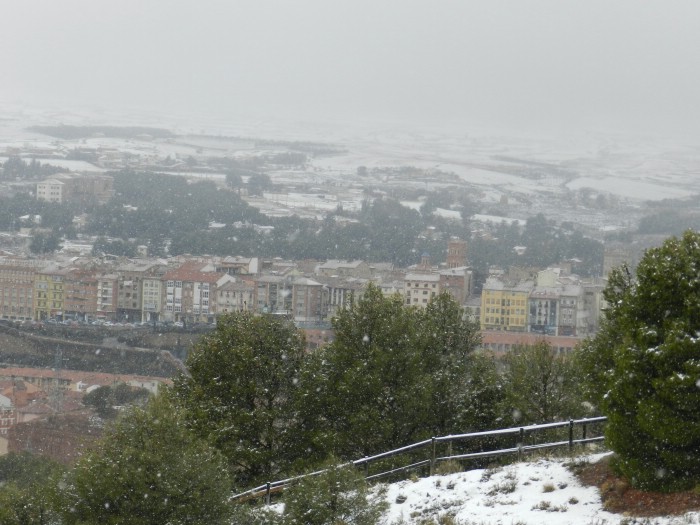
x,y
520,434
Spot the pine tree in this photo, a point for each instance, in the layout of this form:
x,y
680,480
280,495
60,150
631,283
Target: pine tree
x,y
447,341
239,394
369,386
653,383
395,375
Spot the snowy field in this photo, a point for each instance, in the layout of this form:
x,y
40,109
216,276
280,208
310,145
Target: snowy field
x,y
541,171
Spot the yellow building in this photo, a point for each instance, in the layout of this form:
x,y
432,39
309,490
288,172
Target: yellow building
x,y
504,306
48,293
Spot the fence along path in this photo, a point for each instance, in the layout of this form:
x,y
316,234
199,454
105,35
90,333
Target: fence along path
x,y
521,433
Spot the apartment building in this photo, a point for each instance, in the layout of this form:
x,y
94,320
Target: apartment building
x,y
191,294
50,190
107,296
308,300
341,292
152,299
504,305
457,281
235,296
49,286
130,287
273,294
67,187
420,288
16,290
80,294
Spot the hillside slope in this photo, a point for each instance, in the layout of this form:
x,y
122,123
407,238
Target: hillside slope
x,y
541,492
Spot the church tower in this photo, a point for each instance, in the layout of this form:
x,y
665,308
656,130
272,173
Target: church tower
x,y
456,253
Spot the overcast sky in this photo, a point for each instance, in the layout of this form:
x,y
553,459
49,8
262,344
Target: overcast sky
x,y
550,64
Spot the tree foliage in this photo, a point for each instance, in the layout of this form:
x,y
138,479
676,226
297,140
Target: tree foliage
x,y
541,385
17,168
44,243
392,376
337,495
149,469
104,399
25,494
239,392
652,370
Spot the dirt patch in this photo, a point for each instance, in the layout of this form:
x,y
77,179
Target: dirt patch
x,y
619,497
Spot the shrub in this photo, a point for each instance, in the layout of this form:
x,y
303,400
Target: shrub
x,y
337,495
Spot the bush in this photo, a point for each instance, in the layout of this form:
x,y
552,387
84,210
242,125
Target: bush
x,y
337,495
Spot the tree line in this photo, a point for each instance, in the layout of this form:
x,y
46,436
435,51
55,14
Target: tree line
x,y
172,215
17,168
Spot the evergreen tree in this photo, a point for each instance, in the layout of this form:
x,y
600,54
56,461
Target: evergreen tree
x,y
448,339
541,385
44,243
148,469
239,394
26,491
395,375
369,387
652,395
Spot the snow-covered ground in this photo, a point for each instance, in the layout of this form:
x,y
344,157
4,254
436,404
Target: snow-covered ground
x,y
521,176
541,492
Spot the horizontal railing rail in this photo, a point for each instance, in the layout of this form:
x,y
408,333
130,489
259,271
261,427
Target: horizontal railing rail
x,y
275,487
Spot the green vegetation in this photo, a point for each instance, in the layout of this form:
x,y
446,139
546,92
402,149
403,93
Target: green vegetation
x,y
148,469
395,375
644,369
541,386
172,215
338,495
44,243
238,394
16,168
545,244
670,221
104,399
25,496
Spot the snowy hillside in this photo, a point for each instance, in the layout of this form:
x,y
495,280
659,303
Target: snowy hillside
x,y
536,493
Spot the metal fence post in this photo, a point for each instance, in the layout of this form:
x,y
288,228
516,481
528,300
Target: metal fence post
x,y
432,458
366,468
521,435
571,435
267,494
584,431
